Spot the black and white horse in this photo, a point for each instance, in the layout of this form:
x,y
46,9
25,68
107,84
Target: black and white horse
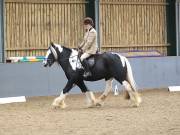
x,y
106,66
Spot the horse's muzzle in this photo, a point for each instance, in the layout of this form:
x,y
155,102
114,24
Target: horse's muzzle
x,y
45,63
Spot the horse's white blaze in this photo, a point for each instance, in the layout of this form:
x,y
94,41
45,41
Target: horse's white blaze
x,y
74,60
47,54
60,48
54,52
122,58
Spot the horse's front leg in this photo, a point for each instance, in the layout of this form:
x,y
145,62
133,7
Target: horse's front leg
x,y
106,91
60,101
91,100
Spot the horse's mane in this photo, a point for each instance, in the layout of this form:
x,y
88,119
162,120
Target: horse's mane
x,y
64,47
67,49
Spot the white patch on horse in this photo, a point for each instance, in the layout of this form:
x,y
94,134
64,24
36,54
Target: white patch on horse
x,y
47,54
74,60
59,47
122,58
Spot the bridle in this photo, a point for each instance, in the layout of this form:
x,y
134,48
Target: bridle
x,y
49,59
64,59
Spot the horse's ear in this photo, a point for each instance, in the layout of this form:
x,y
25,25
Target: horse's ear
x,y
54,51
52,44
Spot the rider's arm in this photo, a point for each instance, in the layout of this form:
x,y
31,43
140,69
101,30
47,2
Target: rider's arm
x,y
90,40
82,44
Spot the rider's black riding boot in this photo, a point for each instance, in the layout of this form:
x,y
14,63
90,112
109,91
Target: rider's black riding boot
x,y
86,68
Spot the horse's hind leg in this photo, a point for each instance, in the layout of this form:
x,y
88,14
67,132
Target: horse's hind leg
x,y
106,91
134,96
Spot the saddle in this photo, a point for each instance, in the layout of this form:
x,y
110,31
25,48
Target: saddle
x,y
92,59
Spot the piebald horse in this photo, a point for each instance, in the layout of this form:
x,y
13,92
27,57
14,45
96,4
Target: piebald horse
x,y
108,66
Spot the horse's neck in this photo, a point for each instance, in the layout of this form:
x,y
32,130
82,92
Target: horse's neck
x,y
64,58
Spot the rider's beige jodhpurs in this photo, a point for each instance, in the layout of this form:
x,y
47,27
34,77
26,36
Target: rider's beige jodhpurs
x,y
84,56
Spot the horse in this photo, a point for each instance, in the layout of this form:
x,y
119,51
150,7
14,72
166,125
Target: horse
x,y
107,65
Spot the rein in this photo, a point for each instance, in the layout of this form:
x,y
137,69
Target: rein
x,y
63,59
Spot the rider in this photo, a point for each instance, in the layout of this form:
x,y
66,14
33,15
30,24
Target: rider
x,y
89,44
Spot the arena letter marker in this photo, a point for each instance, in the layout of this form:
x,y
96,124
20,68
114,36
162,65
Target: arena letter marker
x,y
12,99
174,88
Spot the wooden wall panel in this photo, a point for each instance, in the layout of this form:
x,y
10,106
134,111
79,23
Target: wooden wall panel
x,y
32,24
124,25
133,25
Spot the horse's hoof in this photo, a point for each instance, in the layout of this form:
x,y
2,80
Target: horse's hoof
x,y
138,100
54,107
126,95
61,106
98,104
58,107
136,104
90,106
102,98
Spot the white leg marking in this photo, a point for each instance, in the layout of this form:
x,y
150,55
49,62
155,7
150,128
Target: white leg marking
x,y
129,89
134,96
59,101
90,98
108,88
127,86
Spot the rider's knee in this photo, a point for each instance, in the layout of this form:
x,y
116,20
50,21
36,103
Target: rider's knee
x,y
84,56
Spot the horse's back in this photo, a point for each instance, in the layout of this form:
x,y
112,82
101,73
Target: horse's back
x,y
107,59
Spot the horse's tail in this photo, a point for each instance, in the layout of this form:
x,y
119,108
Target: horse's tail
x,y
130,77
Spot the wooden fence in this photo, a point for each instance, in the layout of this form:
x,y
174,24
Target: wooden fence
x,y
133,25
124,25
32,24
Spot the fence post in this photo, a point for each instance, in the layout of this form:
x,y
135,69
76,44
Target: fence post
x,y
177,28
97,21
1,31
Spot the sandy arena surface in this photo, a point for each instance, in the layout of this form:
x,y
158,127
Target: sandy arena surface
x,y
159,114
